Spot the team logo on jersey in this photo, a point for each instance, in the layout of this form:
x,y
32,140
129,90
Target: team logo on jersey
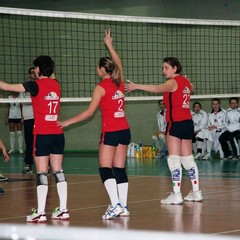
x,y
186,90
118,94
51,96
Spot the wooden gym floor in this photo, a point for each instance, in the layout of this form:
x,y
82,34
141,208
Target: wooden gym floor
x,y
149,182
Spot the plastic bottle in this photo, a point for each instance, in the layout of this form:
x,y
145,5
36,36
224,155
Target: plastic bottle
x,y
153,150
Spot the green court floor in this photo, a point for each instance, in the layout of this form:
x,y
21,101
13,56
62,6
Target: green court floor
x,y
87,163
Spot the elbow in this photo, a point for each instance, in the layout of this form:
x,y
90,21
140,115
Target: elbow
x,y
90,114
3,87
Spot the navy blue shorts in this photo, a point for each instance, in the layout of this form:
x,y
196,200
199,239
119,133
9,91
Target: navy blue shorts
x,y
47,144
114,138
182,130
14,120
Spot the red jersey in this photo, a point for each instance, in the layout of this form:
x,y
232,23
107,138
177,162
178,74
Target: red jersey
x,y
112,107
178,102
46,105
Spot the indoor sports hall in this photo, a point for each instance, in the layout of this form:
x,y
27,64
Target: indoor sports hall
x,y
205,37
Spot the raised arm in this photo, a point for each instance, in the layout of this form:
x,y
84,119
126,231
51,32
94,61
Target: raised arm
x,y
112,51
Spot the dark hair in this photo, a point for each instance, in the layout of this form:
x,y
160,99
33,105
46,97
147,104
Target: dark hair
x,y
174,62
159,101
233,98
195,103
30,70
45,64
216,99
110,68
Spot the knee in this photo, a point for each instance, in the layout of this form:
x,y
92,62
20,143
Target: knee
x,y
120,175
42,178
154,138
174,162
59,176
105,173
188,162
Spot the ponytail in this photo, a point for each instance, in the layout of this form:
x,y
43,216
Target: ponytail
x,y
111,68
116,76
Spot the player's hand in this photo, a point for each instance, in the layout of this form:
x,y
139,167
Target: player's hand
x,y
5,155
129,86
108,38
62,124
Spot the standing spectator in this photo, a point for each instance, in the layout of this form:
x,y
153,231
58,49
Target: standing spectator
x,y
159,136
6,158
48,136
13,119
233,131
177,92
200,119
28,123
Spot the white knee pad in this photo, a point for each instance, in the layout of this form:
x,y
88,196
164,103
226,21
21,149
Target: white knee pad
x,y
174,162
188,162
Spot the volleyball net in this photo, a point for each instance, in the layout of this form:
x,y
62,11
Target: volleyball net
x,y
207,49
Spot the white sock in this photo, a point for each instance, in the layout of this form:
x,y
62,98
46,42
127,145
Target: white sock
x,y
194,177
123,193
42,191
209,146
62,194
12,140
176,179
20,139
111,187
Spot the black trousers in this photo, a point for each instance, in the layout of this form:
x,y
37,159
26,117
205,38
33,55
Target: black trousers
x,y
229,136
28,134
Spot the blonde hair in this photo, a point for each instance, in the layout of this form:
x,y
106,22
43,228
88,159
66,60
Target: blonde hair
x,y
111,68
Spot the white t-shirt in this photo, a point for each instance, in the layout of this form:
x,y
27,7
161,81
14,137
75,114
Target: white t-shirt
x,y
14,109
27,110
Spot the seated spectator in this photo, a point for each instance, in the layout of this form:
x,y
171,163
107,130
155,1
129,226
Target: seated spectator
x,y
159,136
216,126
200,119
233,131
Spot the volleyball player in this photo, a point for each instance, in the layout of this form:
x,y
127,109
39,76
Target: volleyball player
x,y
48,136
179,133
115,137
